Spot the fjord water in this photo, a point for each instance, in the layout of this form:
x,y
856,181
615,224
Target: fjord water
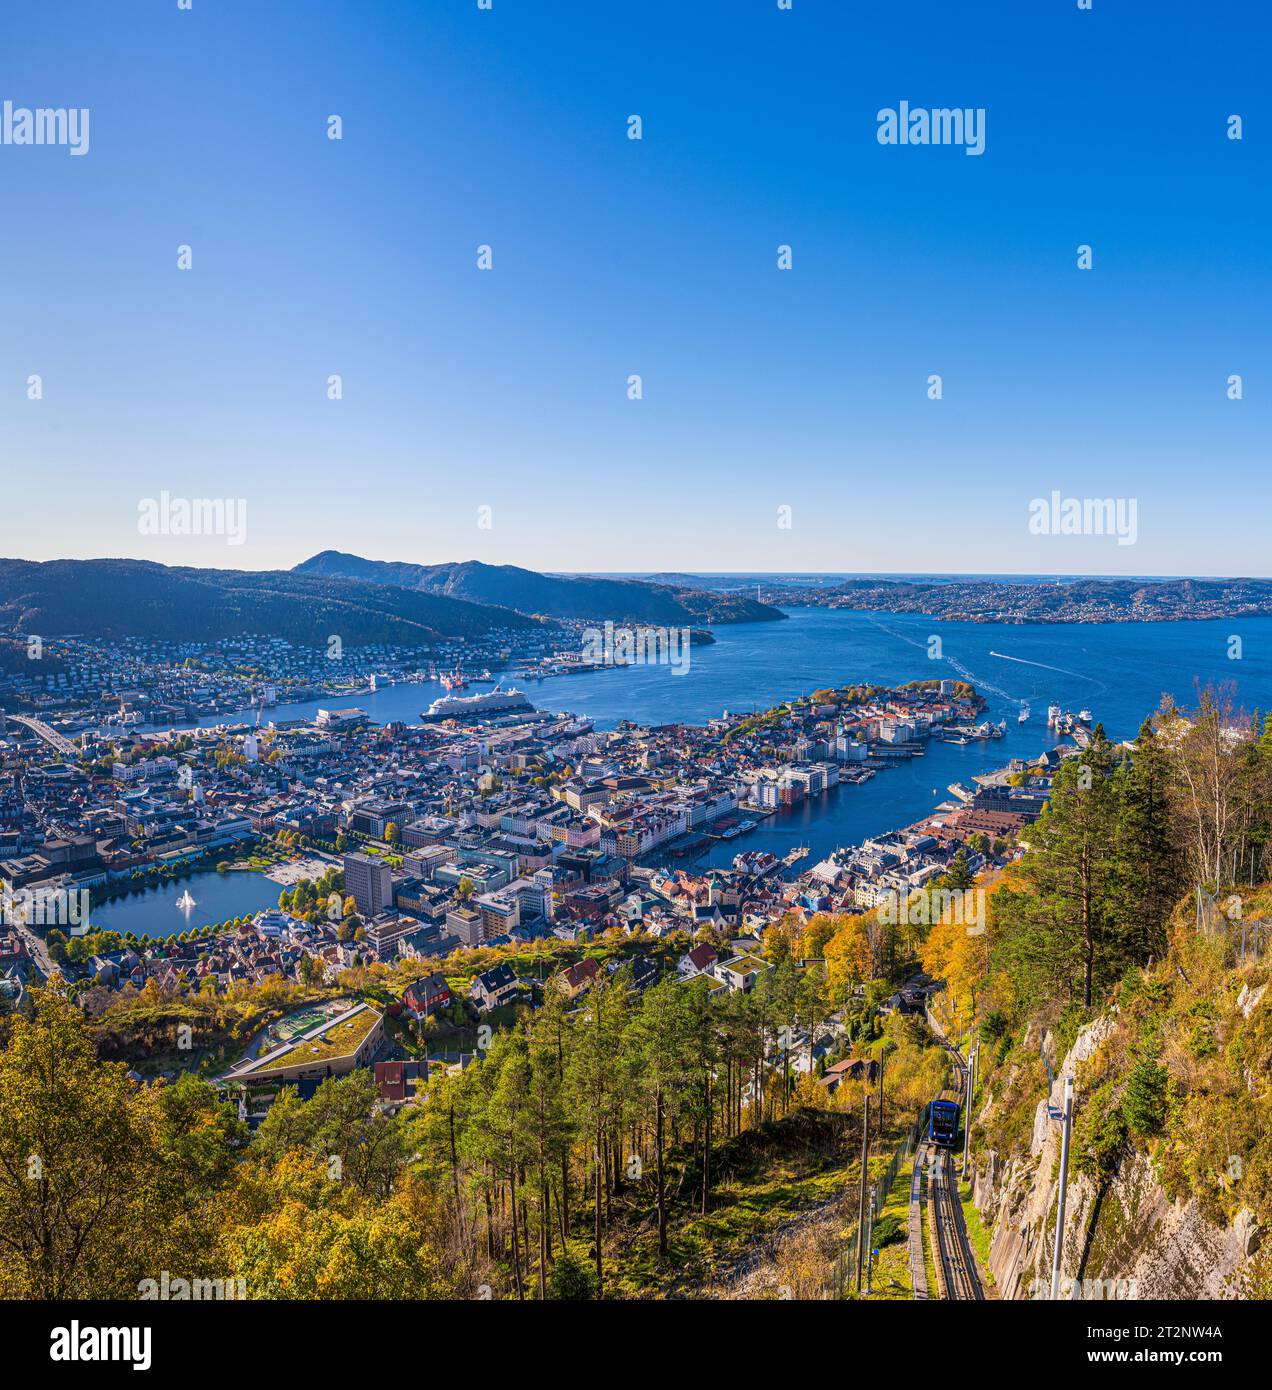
x,y
1118,670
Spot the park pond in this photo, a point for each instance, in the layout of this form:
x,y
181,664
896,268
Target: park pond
x,y
218,897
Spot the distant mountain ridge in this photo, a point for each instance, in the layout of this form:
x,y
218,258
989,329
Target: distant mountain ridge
x,y
138,598
555,596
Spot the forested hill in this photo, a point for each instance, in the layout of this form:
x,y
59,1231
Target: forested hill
x,y
1128,949
135,598
557,596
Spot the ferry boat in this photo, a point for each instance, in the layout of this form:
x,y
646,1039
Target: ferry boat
x,y
1023,716
1084,716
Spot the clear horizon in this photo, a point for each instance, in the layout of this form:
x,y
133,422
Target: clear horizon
x,y
988,576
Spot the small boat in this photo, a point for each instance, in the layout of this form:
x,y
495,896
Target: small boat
x,y
185,902
1084,716
1023,716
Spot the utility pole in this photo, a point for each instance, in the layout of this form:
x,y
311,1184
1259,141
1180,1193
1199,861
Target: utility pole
x,y
881,1122
1064,1187
861,1206
874,1201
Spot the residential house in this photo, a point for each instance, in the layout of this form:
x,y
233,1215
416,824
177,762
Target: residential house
x,y
697,962
426,996
496,986
575,979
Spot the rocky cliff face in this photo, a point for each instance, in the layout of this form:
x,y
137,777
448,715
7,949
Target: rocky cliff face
x,y
1123,1239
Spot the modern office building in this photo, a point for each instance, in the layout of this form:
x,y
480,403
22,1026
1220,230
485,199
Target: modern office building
x,y
369,882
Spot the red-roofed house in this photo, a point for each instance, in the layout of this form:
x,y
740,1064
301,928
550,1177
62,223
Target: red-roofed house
x,y
697,962
574,979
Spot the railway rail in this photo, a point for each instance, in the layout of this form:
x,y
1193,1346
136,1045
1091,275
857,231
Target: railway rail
x,y
955,1263
957,1276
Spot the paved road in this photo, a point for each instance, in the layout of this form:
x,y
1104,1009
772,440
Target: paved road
x,y
37,950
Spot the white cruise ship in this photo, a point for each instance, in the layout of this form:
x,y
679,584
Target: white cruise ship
x,y
496,701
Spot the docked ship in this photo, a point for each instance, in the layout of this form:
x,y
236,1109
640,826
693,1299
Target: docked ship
x,y
496,701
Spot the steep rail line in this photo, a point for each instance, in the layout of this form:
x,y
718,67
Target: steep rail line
x,y
955,1262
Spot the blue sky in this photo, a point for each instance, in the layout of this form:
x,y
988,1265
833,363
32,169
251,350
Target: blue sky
x,y
763,389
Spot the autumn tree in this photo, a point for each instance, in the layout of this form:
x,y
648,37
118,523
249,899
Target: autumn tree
x,y
84,1198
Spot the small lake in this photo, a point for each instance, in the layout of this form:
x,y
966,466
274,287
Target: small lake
x,y
217,898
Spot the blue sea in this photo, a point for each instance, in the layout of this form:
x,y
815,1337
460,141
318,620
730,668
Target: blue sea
x,y
1120,671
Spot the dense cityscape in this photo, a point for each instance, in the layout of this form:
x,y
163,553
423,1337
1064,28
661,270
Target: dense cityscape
x,y
475,831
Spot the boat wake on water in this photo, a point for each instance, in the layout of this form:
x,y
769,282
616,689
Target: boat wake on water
x,y
957,666
979,683
1064,671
